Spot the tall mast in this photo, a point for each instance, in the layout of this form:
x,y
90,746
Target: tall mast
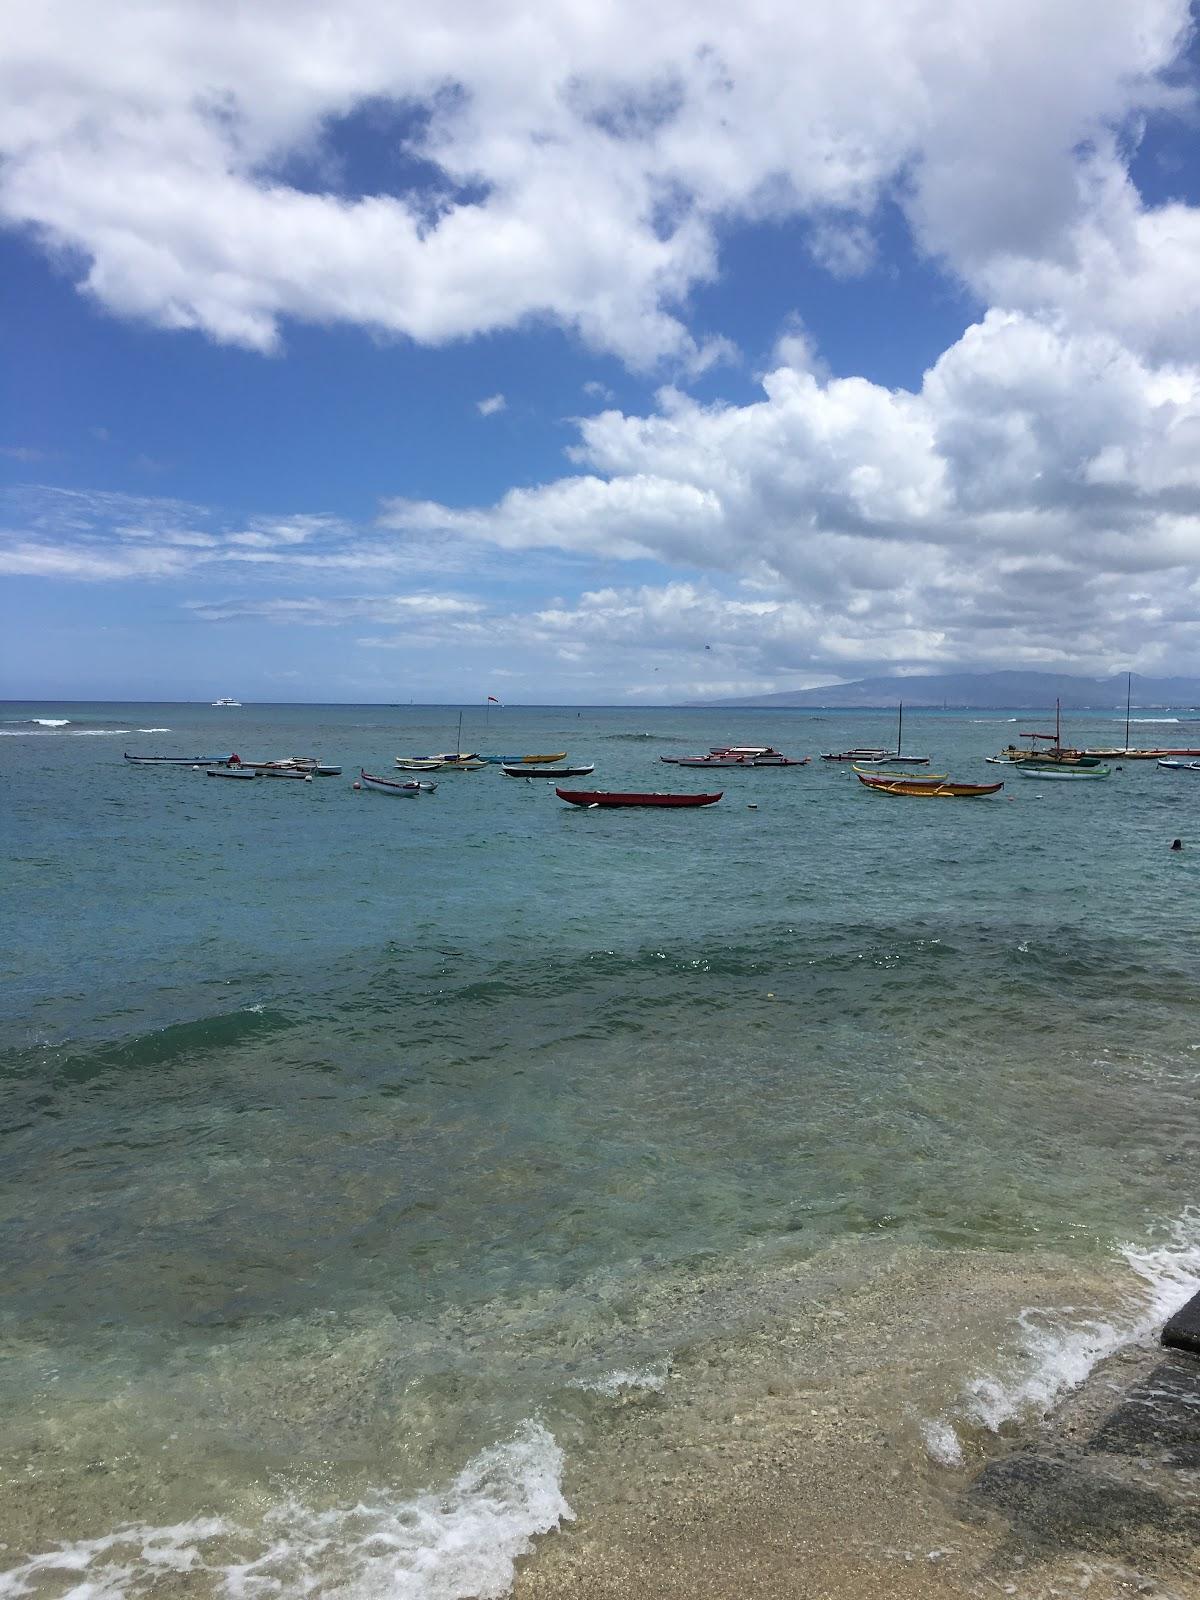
x,y
900,729
1058,724
1128,696
458,742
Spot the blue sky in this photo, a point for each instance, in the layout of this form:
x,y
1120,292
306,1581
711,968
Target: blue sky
x,y
634,358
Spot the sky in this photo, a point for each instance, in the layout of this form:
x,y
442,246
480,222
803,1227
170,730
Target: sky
x,y
593,353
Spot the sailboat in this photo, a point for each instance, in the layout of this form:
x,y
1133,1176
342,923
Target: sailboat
x,y
890,758
445,762
1055,753
1127,754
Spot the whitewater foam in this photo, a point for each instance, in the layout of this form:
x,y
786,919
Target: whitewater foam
x,y
1058,1348
612,1385
450,1544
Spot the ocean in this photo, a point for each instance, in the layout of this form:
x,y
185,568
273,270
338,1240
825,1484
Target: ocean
x,y
406,1197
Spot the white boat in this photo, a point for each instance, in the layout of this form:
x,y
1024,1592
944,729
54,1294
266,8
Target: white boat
x,y
225,701
418,763
1173,765
231,772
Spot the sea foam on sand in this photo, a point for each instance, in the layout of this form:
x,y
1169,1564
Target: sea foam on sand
x,y
445,1544
1056,1349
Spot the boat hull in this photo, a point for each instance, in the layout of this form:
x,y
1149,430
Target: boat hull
x,y
928,791
548,772
1059,774
602,797
174,761
230,772
409,789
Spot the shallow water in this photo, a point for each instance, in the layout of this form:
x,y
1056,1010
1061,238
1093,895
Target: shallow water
x,y
358,1149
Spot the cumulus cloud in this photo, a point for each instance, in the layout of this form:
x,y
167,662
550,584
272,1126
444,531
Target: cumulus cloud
x,y
490,406
201,166
1038,499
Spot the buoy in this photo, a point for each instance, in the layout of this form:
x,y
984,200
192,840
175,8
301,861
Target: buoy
x,y
752,806
1176,844
356,784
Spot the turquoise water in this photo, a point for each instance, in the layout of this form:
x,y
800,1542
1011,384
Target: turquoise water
x,y
347,1139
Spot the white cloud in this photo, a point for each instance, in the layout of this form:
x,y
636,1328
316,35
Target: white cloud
x,y
490,406
583,169
1038,499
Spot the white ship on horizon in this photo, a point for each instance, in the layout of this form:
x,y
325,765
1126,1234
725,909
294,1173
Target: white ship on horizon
x,y
225,701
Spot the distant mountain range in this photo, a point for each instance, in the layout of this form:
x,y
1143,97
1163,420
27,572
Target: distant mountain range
x,y
987,691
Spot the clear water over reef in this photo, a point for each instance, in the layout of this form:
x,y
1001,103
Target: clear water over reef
x,y
362,1158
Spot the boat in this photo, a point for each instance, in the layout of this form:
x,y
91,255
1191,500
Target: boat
x,y
413,787
225,701
418,763
1056,754
942,790
1170,764
901,777
293,765
738,755
1126,753
175,761
231,772
884,758
863,753
608,797
296,774
548,772
1059,770
446,761
512,761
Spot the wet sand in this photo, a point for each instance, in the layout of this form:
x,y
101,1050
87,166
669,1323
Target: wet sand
x,y
820,1484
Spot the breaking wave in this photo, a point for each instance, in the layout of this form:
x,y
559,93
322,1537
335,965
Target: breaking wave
x,y
449,1544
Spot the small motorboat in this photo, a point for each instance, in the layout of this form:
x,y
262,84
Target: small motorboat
x,y
605,797
226,701
231,772
175,761
920,788
411,787
298,774
1170,764
418,763
548,772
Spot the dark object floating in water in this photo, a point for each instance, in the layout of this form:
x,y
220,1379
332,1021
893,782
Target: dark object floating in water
x,y
602,797
1176,844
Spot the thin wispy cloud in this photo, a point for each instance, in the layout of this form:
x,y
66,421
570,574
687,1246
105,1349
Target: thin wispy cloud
x,y
493,404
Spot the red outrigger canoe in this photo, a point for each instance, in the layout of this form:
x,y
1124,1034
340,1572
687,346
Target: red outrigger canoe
x,y
602,797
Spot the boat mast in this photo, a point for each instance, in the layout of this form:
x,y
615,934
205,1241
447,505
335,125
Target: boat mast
x,y
1128,696
458,741
900,729
1058,725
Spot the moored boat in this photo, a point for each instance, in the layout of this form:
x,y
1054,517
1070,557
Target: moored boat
x,y
418,763
602,797
899,757
231,772
943,790
738,755
900,777
1059,771
548,772
1169,764
175,761
411,787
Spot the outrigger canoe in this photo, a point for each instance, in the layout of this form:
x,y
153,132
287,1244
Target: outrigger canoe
x,y
175,761
603,797
548,772
1052,770
921,789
